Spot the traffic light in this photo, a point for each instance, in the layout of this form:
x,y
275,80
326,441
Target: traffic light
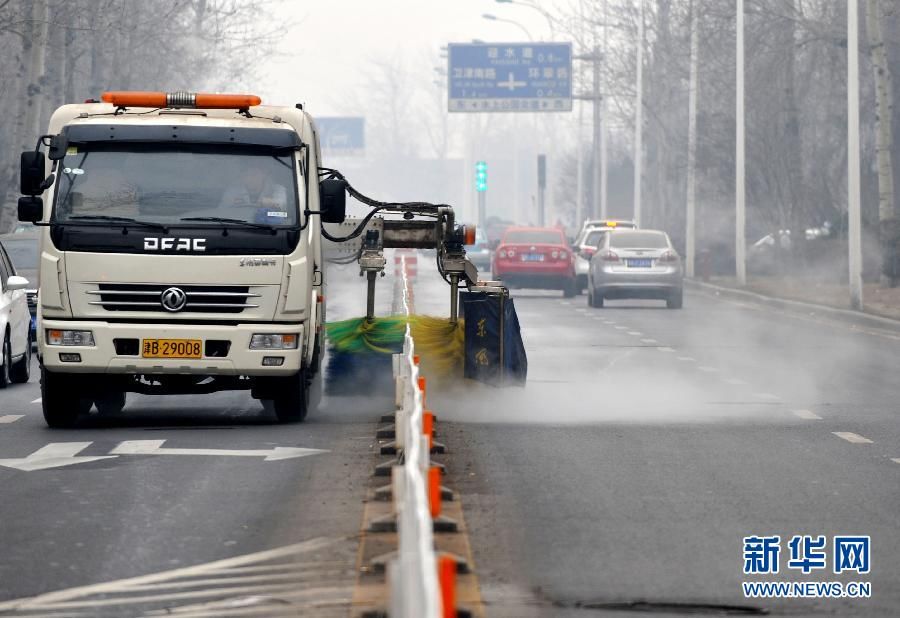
x,y
481,176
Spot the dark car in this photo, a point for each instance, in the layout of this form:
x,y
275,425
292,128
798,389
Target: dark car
x,y
23,249
535,257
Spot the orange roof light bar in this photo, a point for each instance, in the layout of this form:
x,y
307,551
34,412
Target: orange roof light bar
x,y
196,100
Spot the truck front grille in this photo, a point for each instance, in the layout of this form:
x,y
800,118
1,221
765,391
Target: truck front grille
x,y
149,297
31,296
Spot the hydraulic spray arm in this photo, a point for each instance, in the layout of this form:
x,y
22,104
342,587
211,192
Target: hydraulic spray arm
x,y
423,226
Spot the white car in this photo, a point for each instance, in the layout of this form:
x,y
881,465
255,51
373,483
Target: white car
x,y
586,244
15,325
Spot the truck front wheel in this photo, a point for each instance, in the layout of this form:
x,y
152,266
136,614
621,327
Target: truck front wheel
x,y
60,400
290,400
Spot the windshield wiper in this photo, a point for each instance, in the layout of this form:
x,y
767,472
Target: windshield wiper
x,y
241,222
125,220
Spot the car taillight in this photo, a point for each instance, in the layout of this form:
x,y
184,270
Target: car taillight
x,y
563,255
510,253
609,256
669,256
554,254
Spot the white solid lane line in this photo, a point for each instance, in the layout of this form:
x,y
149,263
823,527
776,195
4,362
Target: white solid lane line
x,y
807,414
11,418
854,438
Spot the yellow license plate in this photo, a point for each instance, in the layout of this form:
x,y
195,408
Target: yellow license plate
x,y
172,348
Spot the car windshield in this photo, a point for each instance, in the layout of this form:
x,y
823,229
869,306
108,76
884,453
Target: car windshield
x,y
545,237
593,238
23,252
167,184
638,240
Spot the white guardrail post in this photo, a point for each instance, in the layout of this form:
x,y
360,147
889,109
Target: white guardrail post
x,y
412,576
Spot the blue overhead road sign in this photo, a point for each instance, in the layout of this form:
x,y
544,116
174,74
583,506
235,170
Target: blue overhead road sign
x,y
509,77
342,134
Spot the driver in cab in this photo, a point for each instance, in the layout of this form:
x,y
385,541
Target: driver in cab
x,y
256,189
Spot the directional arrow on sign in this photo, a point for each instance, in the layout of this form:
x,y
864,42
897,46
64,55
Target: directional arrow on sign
x,y
155,447
54,455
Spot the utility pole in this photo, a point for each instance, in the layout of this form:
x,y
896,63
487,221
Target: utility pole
x,y
604,130
596,207
689,237
639,116
740,235
542,186
596,98
853,162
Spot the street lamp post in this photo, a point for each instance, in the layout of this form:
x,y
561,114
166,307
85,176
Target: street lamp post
x,y
550,20
491,17
853,186
740,236
639,116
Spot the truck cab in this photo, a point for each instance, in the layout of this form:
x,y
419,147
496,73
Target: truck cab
x,y
181,251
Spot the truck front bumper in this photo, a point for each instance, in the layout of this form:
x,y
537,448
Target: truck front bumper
x,y
226,349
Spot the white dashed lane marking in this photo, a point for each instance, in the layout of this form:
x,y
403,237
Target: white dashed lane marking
x,y
635,333
807,414
10,418
621,327
665,349
38,400
649,341
768,396
736,381
707,369
849,436
687,359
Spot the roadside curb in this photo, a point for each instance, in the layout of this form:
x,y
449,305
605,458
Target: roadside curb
x,y
848,316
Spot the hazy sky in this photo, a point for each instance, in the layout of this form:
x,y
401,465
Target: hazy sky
x,y
325,55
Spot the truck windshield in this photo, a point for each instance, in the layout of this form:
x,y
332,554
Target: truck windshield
x,y
168,184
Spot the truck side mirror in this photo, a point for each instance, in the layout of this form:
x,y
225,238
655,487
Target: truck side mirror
x,y
59,144
31,209
32,170
333,200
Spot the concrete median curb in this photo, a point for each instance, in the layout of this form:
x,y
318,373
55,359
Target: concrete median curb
x,y
848,316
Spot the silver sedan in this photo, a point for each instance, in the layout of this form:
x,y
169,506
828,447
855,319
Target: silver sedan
x,y
635,264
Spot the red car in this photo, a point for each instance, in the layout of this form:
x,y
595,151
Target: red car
x,y
535,257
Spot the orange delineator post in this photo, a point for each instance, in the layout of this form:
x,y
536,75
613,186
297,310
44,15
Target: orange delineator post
x,y
422,388
434,491
447,578
428,427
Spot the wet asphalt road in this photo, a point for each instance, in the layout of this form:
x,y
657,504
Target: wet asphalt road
x,y
646,445
648,442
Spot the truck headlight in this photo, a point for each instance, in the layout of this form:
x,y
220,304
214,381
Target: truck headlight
x,y
274,342
70,337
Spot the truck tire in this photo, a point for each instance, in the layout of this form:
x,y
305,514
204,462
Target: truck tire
x,y
110,403
291,404
60,404
20,372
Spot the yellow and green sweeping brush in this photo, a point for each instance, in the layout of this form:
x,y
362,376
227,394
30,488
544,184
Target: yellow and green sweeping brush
x,y
440,344
361,335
